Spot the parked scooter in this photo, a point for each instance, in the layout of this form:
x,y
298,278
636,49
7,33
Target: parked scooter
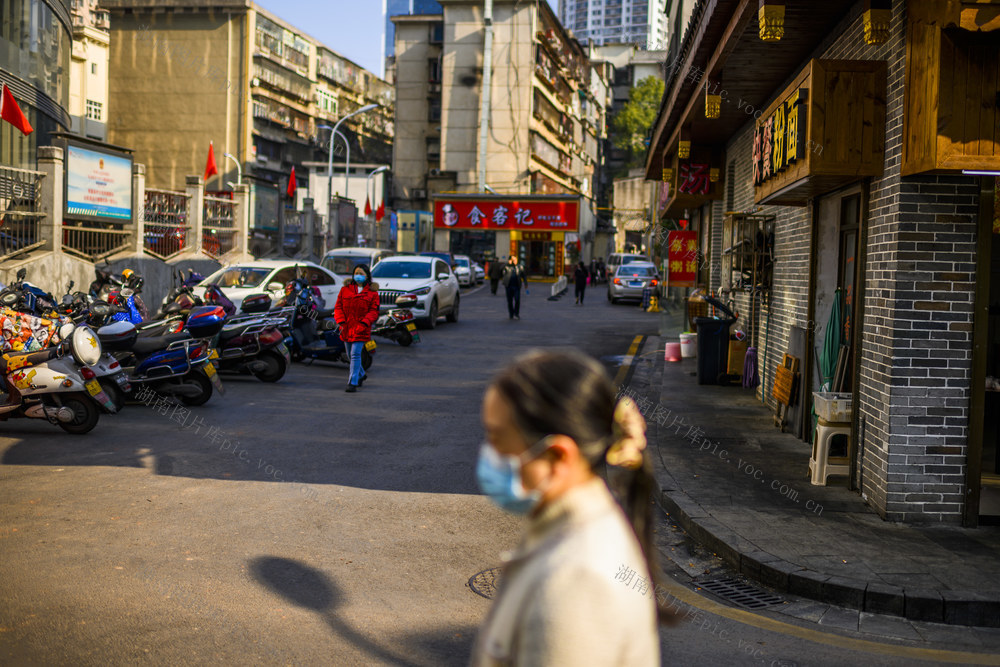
x,y
175,364
39,387
398,324
313,332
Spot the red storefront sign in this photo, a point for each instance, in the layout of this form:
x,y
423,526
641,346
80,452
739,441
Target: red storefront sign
x,y
682,258
501,214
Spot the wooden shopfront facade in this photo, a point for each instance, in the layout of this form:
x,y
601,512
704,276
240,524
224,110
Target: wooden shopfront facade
x,y
853,145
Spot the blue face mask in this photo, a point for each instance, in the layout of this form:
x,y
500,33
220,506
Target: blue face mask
x,y
360,278
499,477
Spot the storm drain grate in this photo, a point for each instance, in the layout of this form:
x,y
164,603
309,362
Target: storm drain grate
x,y
740,593
485,583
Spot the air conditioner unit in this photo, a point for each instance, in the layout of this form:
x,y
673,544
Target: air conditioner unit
x,y
418,193
435,172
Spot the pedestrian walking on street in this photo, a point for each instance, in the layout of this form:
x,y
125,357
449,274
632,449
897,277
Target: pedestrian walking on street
x,y
566,596
356,311
496,272
513,278
580,278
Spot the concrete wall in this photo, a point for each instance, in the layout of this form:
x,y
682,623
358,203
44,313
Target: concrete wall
x,y
409,151
53,271
177,86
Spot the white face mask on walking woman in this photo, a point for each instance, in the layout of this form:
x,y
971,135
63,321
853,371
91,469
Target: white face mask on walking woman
x,y
499,477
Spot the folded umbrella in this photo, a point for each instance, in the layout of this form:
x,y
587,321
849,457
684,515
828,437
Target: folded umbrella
x,y
750,376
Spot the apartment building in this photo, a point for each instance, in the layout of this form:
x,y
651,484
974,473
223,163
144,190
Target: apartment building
x,y
232,73
88,77
546,115
599,22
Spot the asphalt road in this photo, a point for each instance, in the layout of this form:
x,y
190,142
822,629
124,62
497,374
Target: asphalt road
x,y
297,524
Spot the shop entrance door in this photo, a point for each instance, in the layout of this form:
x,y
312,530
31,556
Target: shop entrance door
x,y
538,258
983,497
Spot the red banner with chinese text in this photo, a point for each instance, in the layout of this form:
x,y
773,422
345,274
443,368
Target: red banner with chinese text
x,y
500,214
682,258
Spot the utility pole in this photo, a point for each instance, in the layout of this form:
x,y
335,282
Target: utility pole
x,y
484,110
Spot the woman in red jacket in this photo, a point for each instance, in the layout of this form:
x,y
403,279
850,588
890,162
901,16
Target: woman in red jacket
x,y
356,312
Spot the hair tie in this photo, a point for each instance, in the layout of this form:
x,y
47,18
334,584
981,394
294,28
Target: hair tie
x,y
630,436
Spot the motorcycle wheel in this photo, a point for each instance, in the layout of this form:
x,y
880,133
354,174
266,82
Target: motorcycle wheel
x,y
116,395
199,378
405,338
276,367
85,414
366,359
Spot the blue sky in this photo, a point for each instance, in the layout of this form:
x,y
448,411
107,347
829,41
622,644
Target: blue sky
x,y
352,28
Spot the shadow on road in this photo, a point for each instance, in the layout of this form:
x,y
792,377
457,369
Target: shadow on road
x,y
307,587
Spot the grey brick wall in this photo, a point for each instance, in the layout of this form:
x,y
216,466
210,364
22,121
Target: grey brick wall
x,y
912,396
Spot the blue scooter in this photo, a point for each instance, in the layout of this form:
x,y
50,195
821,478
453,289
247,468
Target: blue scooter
x,y
313,333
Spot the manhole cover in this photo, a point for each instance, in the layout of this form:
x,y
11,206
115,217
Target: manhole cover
x,y
485,583
740,593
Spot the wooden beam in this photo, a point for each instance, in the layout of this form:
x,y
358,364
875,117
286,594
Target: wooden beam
x,y
682,74
745,14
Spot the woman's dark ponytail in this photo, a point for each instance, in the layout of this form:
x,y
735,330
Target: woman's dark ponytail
x,y
568,393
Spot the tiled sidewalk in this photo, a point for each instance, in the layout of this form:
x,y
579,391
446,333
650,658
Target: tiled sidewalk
x,y
740,487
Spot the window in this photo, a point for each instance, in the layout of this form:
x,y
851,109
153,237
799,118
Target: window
x,y
317,278
93,68
440,267
434,70
95,110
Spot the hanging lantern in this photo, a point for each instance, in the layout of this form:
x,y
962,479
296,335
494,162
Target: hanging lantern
x,y
713,174
713,104
683,149
876,19
668,175
771,20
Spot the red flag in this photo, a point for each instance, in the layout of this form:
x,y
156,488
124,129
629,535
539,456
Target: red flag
x,y
12,113
210,168
380,212
368,207
291,185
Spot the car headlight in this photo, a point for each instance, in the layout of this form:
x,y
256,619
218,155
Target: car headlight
x,y
422,291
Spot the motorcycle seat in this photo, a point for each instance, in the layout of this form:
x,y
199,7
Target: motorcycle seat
x,y
151,344
323,314
11,361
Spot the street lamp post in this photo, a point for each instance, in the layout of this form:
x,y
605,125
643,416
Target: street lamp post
x,y
329,172
347,174
367,188
239,169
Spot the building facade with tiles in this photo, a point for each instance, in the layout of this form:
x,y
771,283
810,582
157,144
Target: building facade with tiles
x,y
849,152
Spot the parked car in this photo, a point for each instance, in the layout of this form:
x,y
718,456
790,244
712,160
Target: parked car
x,y
617,259
448,258
430,279
480,272
463,271
269,277
342,261
631,279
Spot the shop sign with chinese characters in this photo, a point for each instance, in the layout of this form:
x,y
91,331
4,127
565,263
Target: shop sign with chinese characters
x,y
824,131
505,213
682,258
779,140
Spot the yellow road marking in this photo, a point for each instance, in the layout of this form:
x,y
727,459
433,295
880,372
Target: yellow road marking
x,y
623,371
691,598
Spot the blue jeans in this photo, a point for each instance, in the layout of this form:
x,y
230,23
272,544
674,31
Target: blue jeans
x,y
357,372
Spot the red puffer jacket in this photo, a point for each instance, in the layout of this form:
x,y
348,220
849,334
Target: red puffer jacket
x,y
356,312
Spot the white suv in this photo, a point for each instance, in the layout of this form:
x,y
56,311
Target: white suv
x,y
430,279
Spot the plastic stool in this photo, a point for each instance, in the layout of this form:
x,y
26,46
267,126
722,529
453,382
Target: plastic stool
x,y
822,465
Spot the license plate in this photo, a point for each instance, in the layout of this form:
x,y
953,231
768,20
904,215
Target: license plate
x,y
283,349
122,381
94,389
411,326
370,345
635,283
214,354
213,376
